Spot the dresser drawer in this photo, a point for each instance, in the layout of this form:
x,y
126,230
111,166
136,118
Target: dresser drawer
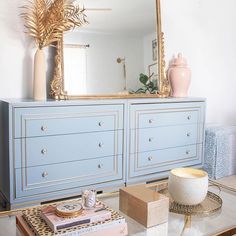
x,y
164,159
64,148
33,122
154,115
48,178
143,140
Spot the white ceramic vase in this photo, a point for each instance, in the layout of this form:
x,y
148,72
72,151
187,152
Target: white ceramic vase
x,y
188,186
39,83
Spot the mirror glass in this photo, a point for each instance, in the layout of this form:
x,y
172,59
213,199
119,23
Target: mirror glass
x,y
108,55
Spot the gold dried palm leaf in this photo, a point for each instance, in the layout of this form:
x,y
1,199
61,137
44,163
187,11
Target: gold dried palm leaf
x,y
46,20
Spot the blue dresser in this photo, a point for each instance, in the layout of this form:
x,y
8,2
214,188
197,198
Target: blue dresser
x,y
164,136
54,149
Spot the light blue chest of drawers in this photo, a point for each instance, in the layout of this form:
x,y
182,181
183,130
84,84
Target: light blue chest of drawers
x,y
54,149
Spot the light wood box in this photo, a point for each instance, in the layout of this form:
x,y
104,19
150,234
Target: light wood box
x,y
146,206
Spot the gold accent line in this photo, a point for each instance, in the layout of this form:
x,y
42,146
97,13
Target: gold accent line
x,y
164,87
187,224
107,96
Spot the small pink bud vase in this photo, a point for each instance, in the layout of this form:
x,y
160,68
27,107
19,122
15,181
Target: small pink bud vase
x,y
179,76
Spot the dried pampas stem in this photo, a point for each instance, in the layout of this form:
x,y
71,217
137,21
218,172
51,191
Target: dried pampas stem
x,y
46,20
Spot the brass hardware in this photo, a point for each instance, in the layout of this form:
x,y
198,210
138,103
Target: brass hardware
x,y
150,139
188,134
44,128
100,145
100,123
150,158
151,121
44,174
57,84
100,166
187,152
44,151
189,117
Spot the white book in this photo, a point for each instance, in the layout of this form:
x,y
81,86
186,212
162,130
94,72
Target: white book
x,y
94,228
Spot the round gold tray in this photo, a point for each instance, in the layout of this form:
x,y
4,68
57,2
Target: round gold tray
x,y
211,204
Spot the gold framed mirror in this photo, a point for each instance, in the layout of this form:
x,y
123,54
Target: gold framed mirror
x,y
121,80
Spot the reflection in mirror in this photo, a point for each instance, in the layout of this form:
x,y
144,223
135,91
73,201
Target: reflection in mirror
x,y
108,55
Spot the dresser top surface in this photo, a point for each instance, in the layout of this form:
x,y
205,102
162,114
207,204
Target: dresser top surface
x,y
52,102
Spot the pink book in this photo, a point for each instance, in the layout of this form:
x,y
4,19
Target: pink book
x,y
87,216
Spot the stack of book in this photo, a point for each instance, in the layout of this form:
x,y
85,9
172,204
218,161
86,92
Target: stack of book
x,y
97,222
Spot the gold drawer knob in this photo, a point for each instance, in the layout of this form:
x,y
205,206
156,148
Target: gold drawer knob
x,y
187,152
100,123
100,144
100,166
151,121
188,134
44,128
44,174
150,139
189,117
150,158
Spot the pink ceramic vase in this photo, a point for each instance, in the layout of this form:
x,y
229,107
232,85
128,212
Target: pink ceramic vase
x,y
179,76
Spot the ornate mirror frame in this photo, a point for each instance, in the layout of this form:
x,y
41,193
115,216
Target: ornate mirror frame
x,y
57,84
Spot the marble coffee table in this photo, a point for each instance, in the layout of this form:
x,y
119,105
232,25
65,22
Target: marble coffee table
x,y
206,226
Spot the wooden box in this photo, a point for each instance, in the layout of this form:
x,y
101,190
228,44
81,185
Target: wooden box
x,y
144,205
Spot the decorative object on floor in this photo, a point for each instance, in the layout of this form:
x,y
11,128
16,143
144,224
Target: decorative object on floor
x,y
188,186
179,76
88,199
220,151
144,205
149,85
115,225
46,21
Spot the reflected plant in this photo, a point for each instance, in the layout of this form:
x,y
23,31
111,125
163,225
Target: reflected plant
x,y
149,84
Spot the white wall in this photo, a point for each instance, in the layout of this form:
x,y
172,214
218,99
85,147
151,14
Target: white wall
x,y
204,30
16,53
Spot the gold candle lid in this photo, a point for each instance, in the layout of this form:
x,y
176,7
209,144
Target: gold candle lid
x,y
70,209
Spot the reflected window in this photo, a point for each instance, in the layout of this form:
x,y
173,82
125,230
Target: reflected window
x,y
75,68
